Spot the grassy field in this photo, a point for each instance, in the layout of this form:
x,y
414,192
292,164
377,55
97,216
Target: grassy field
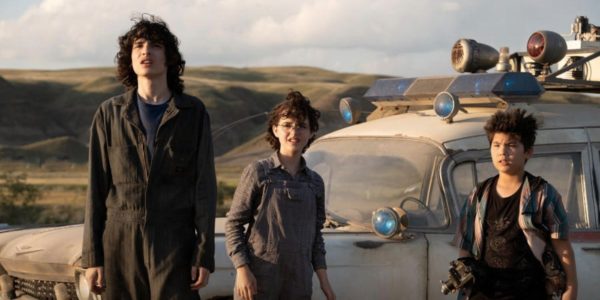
x,y
63,189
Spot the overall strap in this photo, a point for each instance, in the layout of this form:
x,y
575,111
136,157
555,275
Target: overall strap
x,y
263,182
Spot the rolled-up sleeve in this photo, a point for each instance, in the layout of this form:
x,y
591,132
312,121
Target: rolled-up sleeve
x,y
318,249
206,199
98,186
242,213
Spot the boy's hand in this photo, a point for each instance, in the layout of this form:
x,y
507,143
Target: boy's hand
x,y
325,285
199,278
95,279
565,252
328,291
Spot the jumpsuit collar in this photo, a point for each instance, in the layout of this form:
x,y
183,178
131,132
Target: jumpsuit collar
x,y
131,113
278,165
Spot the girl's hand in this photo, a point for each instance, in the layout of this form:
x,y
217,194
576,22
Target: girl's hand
x,y
245,283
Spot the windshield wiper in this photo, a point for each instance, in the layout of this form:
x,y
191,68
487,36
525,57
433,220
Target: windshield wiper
x,y
330,222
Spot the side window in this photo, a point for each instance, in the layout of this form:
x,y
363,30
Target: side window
x,y
485,170
464,181
562,170
466,175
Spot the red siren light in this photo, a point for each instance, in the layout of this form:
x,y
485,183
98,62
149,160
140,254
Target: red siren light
x,y
535,44
546,47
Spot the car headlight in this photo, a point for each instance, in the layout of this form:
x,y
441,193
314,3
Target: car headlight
x,y
388,222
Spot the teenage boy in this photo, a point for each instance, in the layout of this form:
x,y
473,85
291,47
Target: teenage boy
x,y
511,221
149,223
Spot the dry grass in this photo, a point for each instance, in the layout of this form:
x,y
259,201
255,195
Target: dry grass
x,y
66,190
63,195
58,178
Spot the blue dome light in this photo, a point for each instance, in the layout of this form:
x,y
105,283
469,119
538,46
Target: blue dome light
x,y
446,105
350,110
385,222
346,114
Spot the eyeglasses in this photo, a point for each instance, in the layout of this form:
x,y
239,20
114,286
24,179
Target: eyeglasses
x,y
289,126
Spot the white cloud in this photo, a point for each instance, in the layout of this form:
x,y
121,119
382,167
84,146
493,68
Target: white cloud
x,y
351,23
399,37
450,6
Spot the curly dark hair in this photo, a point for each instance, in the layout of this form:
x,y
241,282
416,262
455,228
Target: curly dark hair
x,y
154,29
294,106
515,122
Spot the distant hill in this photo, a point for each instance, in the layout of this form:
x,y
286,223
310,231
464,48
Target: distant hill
x,y
41,106
57,149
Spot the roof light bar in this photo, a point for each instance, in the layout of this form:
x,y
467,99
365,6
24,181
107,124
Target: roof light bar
x,y
498,85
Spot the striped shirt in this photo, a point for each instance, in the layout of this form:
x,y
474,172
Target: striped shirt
x,y
542,216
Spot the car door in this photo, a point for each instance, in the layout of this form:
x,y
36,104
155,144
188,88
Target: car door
x,y
364,266
569,168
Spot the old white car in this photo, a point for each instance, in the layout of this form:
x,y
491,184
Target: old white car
x,y
409,166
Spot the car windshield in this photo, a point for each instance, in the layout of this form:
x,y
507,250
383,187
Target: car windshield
x,y
364,174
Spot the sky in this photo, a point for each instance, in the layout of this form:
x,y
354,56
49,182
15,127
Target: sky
x,y
391,37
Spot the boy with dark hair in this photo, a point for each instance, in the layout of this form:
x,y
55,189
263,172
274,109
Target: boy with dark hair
x,y
512,223
149,223
282,203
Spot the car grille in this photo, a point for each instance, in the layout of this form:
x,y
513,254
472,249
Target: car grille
x,y
42,289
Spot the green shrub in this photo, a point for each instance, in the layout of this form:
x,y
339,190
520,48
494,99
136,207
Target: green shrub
x,y
224,192
224,195
18,199
60,214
